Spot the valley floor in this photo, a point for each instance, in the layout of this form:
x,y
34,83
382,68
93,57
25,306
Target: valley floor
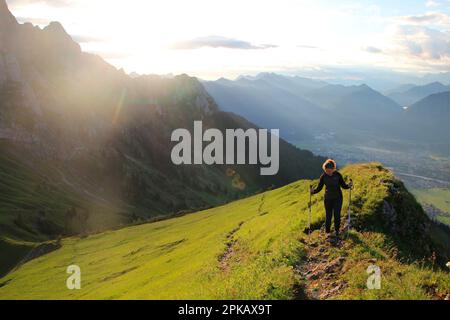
x,y
254,248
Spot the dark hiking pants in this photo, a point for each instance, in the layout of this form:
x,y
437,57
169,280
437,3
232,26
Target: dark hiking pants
x,y
333,207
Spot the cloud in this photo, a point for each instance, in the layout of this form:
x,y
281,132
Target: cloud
x,y
85,39
304,46
218,42
423,42
435,18
372,49
50,3
420,40
432,4
110,55
35,21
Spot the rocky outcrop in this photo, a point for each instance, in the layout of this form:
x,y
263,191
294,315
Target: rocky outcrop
x,y
406,219
6,17
389,213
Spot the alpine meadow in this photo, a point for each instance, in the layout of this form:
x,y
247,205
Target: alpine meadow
x,y
242,152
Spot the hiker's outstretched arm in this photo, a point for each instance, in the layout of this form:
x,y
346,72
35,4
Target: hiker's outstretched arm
x,y
342,183
320,186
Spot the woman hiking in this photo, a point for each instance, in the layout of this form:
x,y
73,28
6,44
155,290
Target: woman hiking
x,y
333,199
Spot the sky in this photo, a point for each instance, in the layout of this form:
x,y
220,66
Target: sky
x,y
228,38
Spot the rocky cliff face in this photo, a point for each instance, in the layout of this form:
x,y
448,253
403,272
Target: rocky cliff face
x,y
6,17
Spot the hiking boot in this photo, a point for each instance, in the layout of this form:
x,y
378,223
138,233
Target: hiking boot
x,y
330,237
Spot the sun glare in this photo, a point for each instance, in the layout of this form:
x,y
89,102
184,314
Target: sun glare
x,y
145,36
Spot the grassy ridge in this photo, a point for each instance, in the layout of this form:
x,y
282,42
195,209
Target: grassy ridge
x,y
248,249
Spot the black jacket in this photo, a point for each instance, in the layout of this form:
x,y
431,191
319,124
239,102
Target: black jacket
x,y
333,185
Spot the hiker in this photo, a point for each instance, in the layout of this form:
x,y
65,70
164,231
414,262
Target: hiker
x,y
333,199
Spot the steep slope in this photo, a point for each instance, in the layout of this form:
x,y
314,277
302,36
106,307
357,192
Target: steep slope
x,y
412,95
255,248
86,147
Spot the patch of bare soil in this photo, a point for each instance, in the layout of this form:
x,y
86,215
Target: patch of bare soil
x,y
320,271
230,242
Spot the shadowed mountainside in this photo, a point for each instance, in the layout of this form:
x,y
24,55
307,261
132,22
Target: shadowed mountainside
x,y
86,147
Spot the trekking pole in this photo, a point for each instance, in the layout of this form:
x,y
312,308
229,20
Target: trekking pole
x,y
309,216
349,206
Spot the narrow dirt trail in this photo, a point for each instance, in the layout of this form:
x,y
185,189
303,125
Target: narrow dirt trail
x,y
230,241
322,266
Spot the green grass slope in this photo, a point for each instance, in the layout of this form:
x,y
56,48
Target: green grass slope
x,y
437,197
253,248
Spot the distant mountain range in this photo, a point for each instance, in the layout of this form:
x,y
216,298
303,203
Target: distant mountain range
x,y
85,146
295,84
271,101
409,95
306,108
353,99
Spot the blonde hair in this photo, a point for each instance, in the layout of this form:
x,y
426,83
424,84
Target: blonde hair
x,y
326,163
